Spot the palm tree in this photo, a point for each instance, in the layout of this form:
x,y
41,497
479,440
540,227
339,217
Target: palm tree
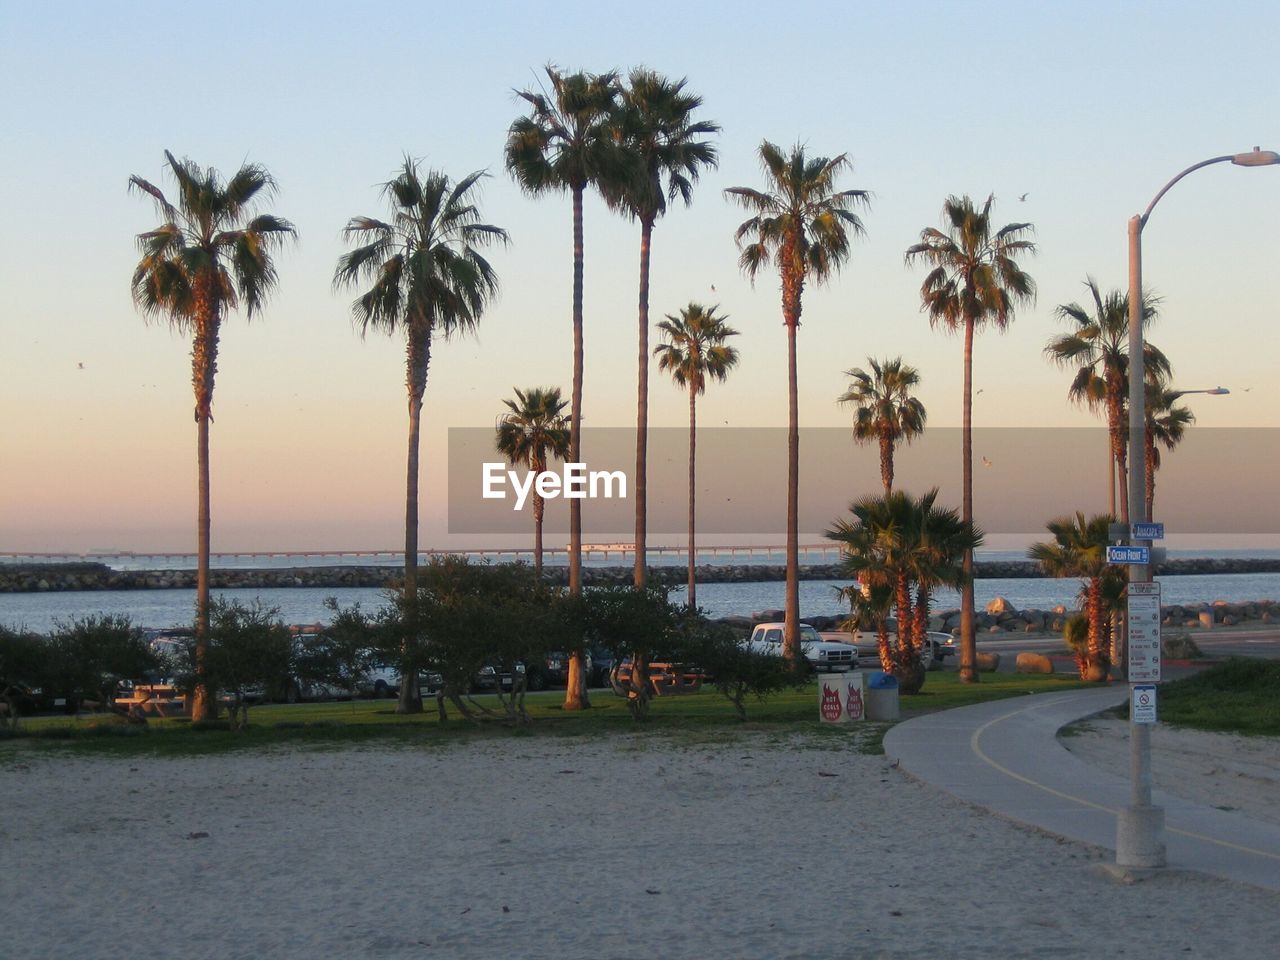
x,y
568,142
1079,549
1098,348
802,225
695,351
661,137
427,277
211,253
1166,425
869,555
941,539
975,280
534,427
885,411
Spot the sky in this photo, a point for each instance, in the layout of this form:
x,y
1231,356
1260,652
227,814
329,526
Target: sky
x,y
1087,109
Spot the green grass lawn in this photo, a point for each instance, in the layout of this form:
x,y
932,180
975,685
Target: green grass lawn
x,y
705,715
1236,696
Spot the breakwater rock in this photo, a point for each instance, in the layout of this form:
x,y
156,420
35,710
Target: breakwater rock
x,y
1001,618
36,577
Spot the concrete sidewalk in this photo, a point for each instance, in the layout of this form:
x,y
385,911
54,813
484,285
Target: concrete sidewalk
x,y
1005,756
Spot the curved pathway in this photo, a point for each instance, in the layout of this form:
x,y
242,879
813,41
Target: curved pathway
x,y
1005,756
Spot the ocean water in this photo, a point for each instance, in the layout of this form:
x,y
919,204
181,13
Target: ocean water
x,y
164,608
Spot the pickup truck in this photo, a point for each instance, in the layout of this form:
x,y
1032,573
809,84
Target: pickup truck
x,y
823,655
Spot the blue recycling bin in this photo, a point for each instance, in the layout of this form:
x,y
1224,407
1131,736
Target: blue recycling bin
x,y
882,696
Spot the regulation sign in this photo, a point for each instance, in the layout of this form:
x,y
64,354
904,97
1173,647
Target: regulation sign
x,y
1147,531
1128,554
1142,703
1144,632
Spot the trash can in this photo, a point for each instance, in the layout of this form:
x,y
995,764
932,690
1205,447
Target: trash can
x,y
840,697
882,697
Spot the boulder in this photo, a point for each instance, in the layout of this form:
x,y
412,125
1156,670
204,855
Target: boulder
x,y
987,662
1033,663
1000,605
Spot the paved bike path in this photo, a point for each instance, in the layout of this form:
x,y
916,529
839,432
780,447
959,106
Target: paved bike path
x,y
1005,755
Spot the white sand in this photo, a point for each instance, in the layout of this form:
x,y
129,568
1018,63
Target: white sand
x,y
745,846
1215,769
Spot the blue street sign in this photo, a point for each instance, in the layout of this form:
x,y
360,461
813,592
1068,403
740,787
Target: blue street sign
x,y
1128,554
1147,531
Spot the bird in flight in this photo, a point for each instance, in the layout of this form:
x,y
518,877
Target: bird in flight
x,y
1023,198
80,365
986,461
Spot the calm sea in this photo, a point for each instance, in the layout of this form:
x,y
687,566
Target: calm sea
x,y
162,608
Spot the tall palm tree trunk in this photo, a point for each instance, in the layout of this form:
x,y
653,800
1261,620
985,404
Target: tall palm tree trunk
x,y
693,457
642,411
968,642
575,694
538,509
791,619
418,359
204,366
886,463
1149,458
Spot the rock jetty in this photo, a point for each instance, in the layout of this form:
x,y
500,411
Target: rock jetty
x,y
39,577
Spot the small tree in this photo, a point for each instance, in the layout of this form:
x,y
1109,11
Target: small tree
x,y
250,650
88,658
635,622
22,671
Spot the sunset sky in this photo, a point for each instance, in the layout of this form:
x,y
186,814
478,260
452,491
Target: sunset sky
x,y
1086,108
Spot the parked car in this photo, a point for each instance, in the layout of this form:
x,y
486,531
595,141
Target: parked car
x,y
823,655
939,647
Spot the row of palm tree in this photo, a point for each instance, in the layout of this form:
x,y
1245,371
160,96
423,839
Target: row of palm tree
x,y
638,143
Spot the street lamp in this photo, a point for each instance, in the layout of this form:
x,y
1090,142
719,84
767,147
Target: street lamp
x,y
1140,826
1212,391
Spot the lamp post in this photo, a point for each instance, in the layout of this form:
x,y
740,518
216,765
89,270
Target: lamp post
x,y
1140,826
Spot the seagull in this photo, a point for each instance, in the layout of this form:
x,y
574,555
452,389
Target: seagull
x,y
80,365
713,288
1023,198
986,462
980,390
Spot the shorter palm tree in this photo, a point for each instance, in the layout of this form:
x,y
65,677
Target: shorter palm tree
x,y
1079,549
534,427
884,410
895,544
695,350
1167,423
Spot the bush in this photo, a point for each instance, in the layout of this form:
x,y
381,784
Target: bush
x,y
733,668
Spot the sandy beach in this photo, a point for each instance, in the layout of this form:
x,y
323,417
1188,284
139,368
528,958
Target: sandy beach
x,y
747,845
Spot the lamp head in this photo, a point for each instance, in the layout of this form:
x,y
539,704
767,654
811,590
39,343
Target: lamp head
x,y
1256,158
1218,392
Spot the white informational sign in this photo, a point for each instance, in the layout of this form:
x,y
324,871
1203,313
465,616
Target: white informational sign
x,y
1142,702
840,697
1144,633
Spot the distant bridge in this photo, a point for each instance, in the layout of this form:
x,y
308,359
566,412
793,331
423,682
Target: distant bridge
x,y
592,551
